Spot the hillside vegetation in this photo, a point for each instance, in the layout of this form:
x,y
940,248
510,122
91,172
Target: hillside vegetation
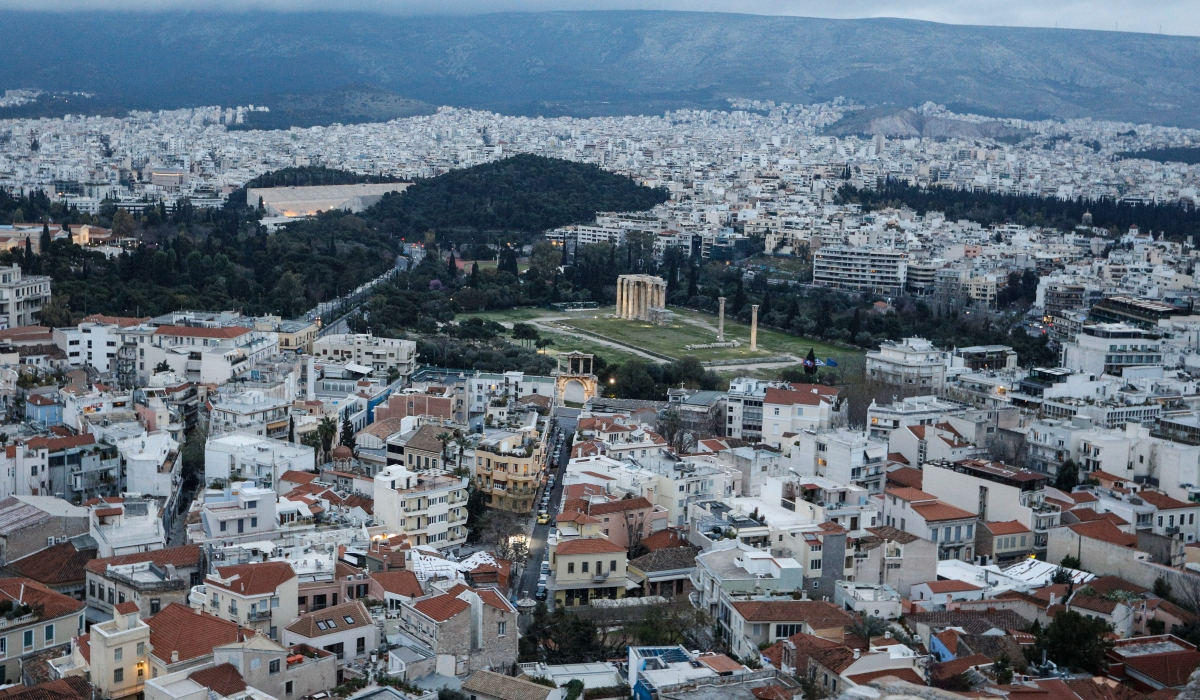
x,y
612,62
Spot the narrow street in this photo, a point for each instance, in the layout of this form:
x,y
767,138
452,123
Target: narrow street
x,y
528,583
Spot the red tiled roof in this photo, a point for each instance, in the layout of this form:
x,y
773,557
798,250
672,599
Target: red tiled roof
x,y
441,608
186,556
588,545
52,603
782,397
401,582
333,619
70,688
906,476
951,586
57,565
223,679
721,663
61,443
948,669
664,539
818,614
198,332
297,477
122,321
1171,668
178,628
907,493
1162,501
904,674
937,512
1106,531
127,608
1006,527
619,506
254,579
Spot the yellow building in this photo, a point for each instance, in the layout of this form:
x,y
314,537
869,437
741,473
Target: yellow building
x,y
508,470
585,569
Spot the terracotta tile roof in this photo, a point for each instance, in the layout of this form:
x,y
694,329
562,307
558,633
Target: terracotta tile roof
x,y
57,565
1106,531
332,620
771,692
502,687
225,332
441,608
61,443
1006,527
907,493
1093,603
253,579
774,654
619,506
85,646
1104,689
577,517
52,603
905,476
580,491
782,397
1162,501
127,608
948,669
178,628
938,512
904,674
886,532
588,545
70,688
721,663
668,538
424,438
951,586
666,559
1171,668
383,429
1106,584
223,679
491,597
297,477
183,557
818,614
122,321
402,582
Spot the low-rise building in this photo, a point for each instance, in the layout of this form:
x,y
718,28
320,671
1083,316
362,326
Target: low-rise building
x,y
427,504
467,629
254,458
913,362
260,596
382,356
346,631
153,579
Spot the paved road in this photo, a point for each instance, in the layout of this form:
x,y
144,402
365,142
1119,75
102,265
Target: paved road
x,y
528,584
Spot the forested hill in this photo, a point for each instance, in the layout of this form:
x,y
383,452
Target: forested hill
x,y
1177,221
220,259
521,194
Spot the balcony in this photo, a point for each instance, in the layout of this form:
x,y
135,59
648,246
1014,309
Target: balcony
x,y
600,577
258,616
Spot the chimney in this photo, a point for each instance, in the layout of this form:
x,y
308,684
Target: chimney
x,y
174,656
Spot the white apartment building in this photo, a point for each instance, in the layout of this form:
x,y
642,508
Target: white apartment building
x,y
21,297
877,270
205,354
995,492
261,596
786,412
152,464
922,514
259,460
882,419
484,387
242,513
744,407
912,362
93,342
430,505
250,412
841,455
128,527
1109,348
381,355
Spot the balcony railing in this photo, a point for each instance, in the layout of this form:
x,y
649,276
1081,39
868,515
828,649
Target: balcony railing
x,y
258,616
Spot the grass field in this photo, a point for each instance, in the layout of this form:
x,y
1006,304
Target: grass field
x,y
687,328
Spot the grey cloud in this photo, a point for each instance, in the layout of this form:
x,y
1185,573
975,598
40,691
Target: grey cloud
x,y
1168,16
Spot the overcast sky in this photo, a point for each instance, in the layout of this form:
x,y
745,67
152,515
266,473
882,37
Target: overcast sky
x,y
1167,16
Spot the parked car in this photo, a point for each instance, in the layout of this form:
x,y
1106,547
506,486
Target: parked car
x,y
541,592
543,518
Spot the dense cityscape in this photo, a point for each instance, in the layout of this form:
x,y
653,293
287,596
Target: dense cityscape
x,y
853,403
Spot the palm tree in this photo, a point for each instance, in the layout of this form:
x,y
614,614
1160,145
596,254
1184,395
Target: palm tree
x,y
869,626
462,443
445,438
328,430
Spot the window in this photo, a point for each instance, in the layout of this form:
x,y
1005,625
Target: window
x,y
571,567
287,688
141,649
3,650
119,654
783,631
120,597
360,646
933,537
583,567
349,620
501,628
274,632
251,504
155,605
253,522
816,565
302,600
118,675
273,666
49,633
612,565
27,639
91,589
224,526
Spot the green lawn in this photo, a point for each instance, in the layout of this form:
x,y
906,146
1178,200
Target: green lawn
x,y
687,328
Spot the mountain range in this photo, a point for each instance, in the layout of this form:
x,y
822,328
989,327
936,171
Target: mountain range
x,y
610,62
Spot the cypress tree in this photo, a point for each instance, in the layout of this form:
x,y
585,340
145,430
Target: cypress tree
x,y
44,241
452,266
474,274
766,304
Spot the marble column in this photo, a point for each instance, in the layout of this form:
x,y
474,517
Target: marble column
x,y
721,321
620,289
754,327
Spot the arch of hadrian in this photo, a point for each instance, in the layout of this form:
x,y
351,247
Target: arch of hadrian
x,y
638,295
